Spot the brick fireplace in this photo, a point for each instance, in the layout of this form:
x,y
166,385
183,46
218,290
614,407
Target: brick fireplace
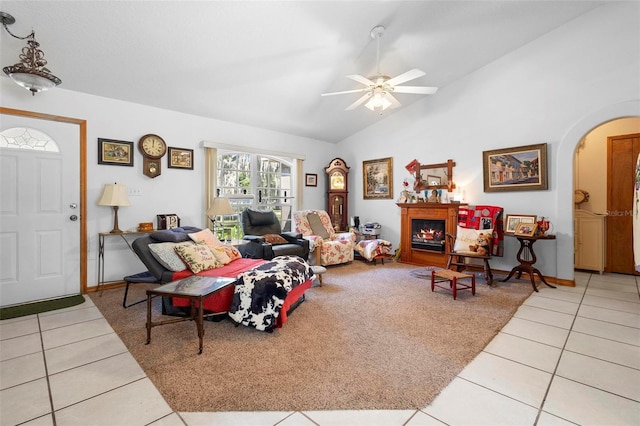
x,y
423,230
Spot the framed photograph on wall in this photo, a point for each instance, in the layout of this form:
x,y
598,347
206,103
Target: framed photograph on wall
x,y
525,230
180,158
513,220
115,153
377,178
522,168
311,179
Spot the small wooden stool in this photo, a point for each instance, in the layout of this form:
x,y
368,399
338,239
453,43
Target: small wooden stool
x,y
452,277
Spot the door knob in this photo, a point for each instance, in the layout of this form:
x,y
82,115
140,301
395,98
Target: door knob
x,y
73,217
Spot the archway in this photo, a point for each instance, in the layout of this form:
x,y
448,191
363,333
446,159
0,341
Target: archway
x,y
564,169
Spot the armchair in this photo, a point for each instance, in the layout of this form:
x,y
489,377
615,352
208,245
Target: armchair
x,y
263,228
330,247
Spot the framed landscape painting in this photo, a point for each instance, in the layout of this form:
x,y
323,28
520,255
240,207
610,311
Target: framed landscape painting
x,y
116,153
377,177
522,168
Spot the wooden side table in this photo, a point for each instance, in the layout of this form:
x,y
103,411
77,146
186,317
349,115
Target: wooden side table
x,y
527,258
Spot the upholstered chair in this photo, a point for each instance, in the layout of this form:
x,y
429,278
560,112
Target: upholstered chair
x,y
328,247
263,227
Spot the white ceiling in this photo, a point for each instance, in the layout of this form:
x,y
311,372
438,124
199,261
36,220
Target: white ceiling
x,y
265,63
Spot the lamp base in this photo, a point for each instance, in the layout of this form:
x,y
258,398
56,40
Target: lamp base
x,y
115,229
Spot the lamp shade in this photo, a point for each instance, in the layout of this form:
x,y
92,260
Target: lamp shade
x,y
114,194
220,206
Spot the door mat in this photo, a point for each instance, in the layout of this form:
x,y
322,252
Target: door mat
x,y
40,307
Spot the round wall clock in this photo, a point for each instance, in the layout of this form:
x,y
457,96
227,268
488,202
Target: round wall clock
x,y
153,148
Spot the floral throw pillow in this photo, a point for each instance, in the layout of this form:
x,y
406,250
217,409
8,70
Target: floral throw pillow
x,y
198,257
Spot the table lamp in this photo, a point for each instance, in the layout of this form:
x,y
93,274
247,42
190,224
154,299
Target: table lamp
x,y
114,195
220,206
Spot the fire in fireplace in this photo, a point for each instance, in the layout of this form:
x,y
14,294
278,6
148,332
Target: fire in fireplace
x,y
428,234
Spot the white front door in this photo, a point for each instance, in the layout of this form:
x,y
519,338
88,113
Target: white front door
x,y
39,197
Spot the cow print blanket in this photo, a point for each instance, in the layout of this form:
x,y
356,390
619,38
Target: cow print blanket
x,y
260,292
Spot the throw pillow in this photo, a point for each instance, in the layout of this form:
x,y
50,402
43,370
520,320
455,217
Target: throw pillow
x,y
207,237
165,254
466,237
316,226
231,251
221,255
274,239
198,257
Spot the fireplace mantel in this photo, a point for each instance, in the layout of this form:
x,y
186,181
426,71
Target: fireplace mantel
x,y
448,212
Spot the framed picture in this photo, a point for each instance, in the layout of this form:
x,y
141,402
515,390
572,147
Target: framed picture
x,y
115,153
377,178
513,220
522,168
311,179
525,229
180,158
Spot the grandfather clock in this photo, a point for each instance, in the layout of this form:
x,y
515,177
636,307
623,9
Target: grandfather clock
x,y
337,173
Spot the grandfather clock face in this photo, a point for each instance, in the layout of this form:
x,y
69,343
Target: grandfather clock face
x,y
337,181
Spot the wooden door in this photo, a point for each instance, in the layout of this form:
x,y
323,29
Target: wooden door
x,y
622,154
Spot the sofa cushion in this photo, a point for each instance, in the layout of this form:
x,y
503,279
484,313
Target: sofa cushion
x,y
165,254
198,257
274,239
316,226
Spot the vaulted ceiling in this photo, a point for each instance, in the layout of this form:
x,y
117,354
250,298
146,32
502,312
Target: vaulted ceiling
x,y
265,63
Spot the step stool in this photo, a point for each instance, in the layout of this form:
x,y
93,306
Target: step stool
x,y
453,278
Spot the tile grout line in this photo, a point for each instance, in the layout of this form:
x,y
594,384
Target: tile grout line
x,y
46,371
553,375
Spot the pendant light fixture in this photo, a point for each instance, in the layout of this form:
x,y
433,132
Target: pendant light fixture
x,y
30,72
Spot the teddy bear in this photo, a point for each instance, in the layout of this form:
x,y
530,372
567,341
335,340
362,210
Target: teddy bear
x,y
482,247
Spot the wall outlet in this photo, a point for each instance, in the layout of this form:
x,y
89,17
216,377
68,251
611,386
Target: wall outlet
x,y
134,192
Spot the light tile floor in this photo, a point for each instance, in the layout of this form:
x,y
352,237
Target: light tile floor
x,y
569,355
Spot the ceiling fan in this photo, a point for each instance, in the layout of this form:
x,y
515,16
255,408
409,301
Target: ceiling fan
x,y
379,89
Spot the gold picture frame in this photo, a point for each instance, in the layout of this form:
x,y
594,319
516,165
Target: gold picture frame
x,y
115,153
525,229
512,220
180,158
377,178
521,168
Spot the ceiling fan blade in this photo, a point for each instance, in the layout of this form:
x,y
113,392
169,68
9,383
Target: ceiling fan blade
x,y
409,75
393,100
344,91
421,90
359,102
361,79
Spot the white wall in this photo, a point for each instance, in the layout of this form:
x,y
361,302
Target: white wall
x,y
174,191
554,87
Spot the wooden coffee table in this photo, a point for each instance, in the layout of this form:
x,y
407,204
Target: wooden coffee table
x,y
194,288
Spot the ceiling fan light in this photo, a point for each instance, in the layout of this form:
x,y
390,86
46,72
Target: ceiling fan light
x,y
378,100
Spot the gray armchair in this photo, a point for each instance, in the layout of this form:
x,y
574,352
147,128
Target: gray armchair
x,y
263,227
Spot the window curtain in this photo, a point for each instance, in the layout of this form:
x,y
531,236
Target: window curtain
x,y
211,181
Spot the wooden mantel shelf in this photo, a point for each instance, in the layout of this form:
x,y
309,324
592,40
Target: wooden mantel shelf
x,y
448,212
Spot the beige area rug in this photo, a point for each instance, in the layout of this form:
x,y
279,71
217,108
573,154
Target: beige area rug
x,y
372,337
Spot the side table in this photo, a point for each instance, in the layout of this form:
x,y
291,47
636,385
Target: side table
x,y
527,258
101,238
